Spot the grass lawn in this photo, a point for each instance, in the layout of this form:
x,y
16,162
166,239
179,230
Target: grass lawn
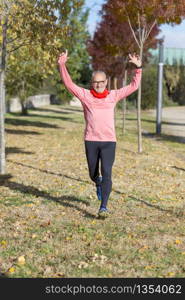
x,y
48,206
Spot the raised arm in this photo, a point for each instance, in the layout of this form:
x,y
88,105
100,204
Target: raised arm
x,y
134,85
69,84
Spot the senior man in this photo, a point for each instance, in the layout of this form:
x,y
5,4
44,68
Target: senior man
x,y
100,139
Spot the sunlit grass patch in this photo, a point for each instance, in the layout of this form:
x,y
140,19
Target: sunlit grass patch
x,y
48,206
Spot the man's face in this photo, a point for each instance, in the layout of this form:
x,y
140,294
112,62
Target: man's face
x,y
99,82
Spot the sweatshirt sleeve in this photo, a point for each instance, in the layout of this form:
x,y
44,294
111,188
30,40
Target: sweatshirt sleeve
x,y
128,89
74,89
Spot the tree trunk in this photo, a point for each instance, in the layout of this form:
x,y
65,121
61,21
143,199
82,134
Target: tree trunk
x,y
109,83
2,131
115,83
139,110
2,96
115,86
24,110
22,97
124,103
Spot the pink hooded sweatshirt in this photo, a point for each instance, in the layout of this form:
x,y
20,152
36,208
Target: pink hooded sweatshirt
x,y
99,113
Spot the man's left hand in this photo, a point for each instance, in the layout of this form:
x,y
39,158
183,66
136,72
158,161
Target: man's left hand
x,y
135,59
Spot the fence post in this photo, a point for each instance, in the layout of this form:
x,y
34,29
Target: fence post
x,y
160,88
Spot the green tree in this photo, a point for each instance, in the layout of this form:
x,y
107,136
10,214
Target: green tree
x,y
25,74
149,89
30,23
171,77
79,61
179,91
142,16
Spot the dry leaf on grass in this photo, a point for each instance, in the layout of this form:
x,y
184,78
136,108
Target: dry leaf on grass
x,y
21,260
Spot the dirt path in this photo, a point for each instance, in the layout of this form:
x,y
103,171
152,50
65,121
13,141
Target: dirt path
x,y
173,121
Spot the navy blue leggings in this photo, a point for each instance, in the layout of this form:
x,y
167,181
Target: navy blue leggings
x,y
103,152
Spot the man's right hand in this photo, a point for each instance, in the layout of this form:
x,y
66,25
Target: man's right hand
x,y
63,57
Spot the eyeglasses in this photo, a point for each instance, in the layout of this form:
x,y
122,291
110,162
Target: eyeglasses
x,y
100,82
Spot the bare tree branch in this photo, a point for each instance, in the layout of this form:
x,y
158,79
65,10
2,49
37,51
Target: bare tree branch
x,y
19,46
154,23
9,41
133,31
143,34
139,23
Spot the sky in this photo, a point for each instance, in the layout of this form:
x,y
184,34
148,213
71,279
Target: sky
x,y
174,36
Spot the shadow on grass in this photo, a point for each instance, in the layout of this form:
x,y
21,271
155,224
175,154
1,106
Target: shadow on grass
x,y
66,201
57,111
14,131
173,123
55,117
79,200
177,212
2,275
177,168
10,150
47,172
21,122
4,178
154,122
149,204
165,137
74,109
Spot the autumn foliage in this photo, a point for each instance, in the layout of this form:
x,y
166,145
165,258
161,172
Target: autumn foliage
x,y
113,40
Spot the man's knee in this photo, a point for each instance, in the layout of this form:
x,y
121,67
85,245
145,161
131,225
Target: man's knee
x,y
107,173
106,177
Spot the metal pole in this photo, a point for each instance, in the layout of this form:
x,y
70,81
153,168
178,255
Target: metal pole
x,y
160,88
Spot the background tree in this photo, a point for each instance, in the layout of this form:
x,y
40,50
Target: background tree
x,y
142,16
179,91
30,23
149,89
26,73
79,60
171,76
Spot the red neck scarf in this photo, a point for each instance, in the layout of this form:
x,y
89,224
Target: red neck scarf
x,y
99,95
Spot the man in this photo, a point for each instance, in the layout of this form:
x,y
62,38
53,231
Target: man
x,y
100,140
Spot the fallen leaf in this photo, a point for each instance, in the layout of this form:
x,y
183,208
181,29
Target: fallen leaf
x,y
60,275
83,264
21,260
178,242
170,274
30,205
48,270
11,270
45,224
149,267
4,243
143,248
